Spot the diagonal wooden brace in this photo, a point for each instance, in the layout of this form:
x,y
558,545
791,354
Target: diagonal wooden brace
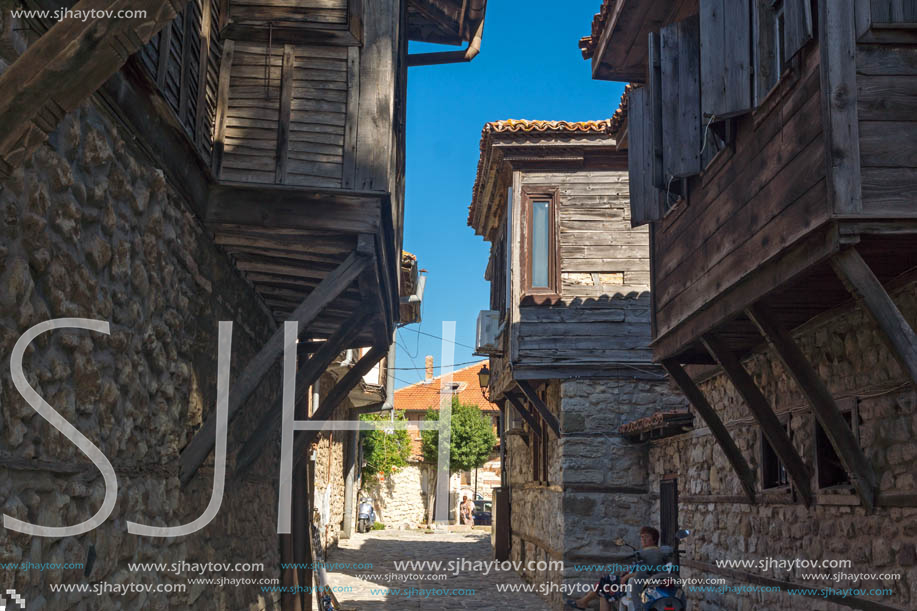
x,y
823,404
532,396
761,410
338,393
309,371
854,272
196,452
526,415
716,426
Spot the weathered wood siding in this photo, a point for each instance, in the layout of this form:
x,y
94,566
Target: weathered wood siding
x,y
887,114
286,126
753,201
314,12
175,60
603,315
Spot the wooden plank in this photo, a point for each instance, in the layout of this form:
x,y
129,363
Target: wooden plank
x,y
725,58
681,119
309,371
516,402
888,144
838,54
165,45
283,126
543,409
349,152
886,98
189,28
773,431
716,426
862,283
331,287
222,106
337,394
644,197
798,25
654,108
823,405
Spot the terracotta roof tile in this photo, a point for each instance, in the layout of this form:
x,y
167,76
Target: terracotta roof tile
x,y
655,421
421,396
587,44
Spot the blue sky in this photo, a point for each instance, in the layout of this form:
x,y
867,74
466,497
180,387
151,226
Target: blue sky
x,y
530,67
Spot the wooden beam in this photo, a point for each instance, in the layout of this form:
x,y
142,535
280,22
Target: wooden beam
x,y
204,58
337,394
283,123
716,426
823,404
837,48
526,415
371,293
66,65
222,106
856,275
532,396
333,285
773,431
309,371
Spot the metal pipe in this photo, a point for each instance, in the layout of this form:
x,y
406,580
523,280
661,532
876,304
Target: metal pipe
x,y
450,57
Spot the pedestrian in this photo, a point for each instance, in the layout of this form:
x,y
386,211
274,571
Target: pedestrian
x,y
466,508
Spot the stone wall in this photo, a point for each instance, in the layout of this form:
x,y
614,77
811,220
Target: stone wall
x,y
850,356
328,470
90,228
597,486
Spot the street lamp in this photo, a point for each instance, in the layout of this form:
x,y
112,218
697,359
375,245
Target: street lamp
x,y
484,380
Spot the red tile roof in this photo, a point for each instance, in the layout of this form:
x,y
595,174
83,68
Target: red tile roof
x,y
587,44
421,396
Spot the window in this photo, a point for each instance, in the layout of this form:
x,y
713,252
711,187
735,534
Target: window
x,y
773,473
831,471
770,50
540,252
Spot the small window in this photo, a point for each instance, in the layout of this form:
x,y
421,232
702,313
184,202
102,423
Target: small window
x,y
773,473
831,471
770,51
540,245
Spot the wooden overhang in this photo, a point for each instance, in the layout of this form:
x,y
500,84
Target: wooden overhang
x,y
450,22
617,45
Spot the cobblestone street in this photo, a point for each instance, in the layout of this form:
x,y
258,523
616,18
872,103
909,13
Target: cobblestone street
x,y
384,548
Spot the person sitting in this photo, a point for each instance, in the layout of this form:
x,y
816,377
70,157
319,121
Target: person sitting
x,y
610,586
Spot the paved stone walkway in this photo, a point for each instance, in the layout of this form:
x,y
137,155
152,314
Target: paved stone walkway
x,y
383,548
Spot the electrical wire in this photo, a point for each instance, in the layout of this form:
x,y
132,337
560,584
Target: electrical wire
x,y
440,338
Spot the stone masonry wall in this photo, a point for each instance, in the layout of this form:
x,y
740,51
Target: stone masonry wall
x,y
90,228
850,356
597,487
605,475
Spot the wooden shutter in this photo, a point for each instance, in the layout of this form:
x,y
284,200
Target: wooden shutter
x,y
681,121
644,197
654,93
725,58
893,11
798,25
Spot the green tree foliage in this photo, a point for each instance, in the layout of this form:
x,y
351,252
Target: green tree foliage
x,y
384,451
472,441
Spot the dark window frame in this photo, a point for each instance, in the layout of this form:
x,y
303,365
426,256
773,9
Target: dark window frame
x,y
551,293
827,462
773,473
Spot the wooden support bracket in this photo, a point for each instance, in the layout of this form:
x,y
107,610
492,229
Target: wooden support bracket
x,y
66,65
532,396
757,403
330,288
823,404
856,275
310,370
716,426
526,415
337,394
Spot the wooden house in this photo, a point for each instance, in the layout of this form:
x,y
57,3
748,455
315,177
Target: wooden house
x,y
771,152
568,334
